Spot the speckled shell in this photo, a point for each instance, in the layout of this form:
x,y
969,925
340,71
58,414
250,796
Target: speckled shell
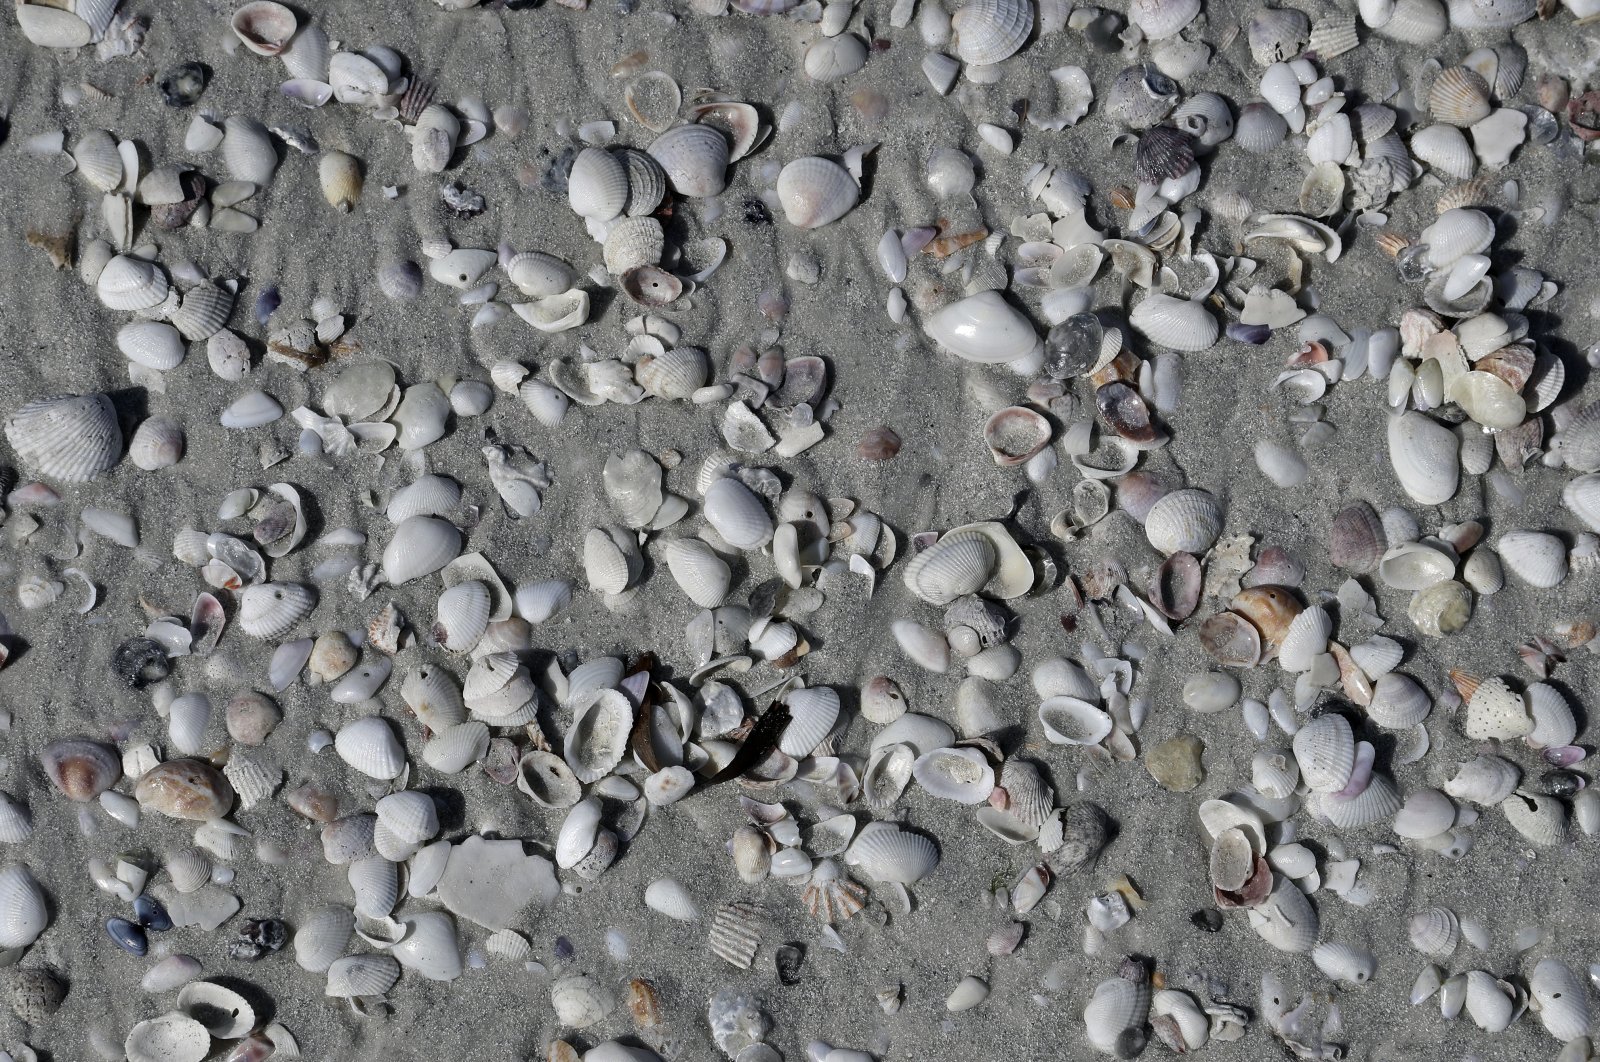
x,y
71,438
185,789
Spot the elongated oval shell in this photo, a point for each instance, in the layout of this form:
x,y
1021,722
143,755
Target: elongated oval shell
x,y
702,575
737,514
71,438
1423,454
421,546
984,328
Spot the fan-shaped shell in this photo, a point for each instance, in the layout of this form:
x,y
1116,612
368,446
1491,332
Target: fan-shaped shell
x,y
129,283
647,182
954,566
597,186
99,161
1178,324
428,495
1160,19
1537,558
737,514
1495,711
369,745
1459,96
271,610
702,575
631,243
1434,932
1325,749
322,937
1560,1000
815,191
1456,233
674,374
812,714
1398,702
421,546
204,311
24,911
885,852
462,615
72,438
153,344
1184,521
1116,1006
694,158
362,975
1259,128
1307,638
433,695
990,31
248,151
189,868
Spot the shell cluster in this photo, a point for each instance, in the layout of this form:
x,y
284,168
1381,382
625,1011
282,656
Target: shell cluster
x,y
1146,505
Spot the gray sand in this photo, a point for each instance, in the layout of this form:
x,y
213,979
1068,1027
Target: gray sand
x,y
554,62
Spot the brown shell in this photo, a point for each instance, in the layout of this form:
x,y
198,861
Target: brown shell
x,y
1175,590
1270,609
1124,410
1513,364
1357,541
185,789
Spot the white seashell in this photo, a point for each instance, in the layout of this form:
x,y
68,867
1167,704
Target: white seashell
x,y
1542,820
1496,712
1535,557
539,275
434,138
597,186
186,723
1306,639
99,161
1071,721
884,852
1445,148
580,1001
1398,702
410,815
991,31
225,1013
1426,813
153,344
432,694
737,514
954,566
360,976
1116,1007
1274,773
66,437
1488,1003
695,158
204,311
431,946
189,868
128,283
815,191
538,601
1185,521
171,973
959,774
1434,932
671,899
1484,780
887,775
271,610
1340,962
248,151
1456,233
1286,919
557,313
376,884
675,374
1415,22
264,26
598,737
253,409
1553,721
429,495
1174,323
508,944
461,616
1560,1000
1178,1008
322,937
984,328
1423,453
24,911
1160,19
171,1037
831,59
927,649
812,714
421,546
369,745
1325,750
16,822
457,747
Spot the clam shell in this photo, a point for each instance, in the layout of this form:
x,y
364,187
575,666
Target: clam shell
x,y
1485,780
376,884
884,852
1553,723
1423,454
647,182
225,1013
1341,962
674,374
597,186
271,610
99,161
265,27
1495,711
1542,820
369,745
1072,721
1286,919
70,438
557,313
959,774
598,737
421,546
954,566
462,615
539,600
702,575
457,747
128,283
80,769
539,275
429,495
248,151
204,311
695,159
1535,557
189,868
1459,96
358,976
1560,1000
1177,324
24,911
737,514
887,775
547,404
1415,22
815,191
1116,1007
431,693
322,937
991,31
1445,148
157,443
1259,128
1325,750
171,1037
1398,702
984,328
633,242
1184,521
153,344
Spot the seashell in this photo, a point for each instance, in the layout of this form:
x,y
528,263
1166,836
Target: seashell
x,y
370,746
1426,813
1305,640
1484,780
1163,154
421,546
432,694
185,789
1184,521
1015,434
1231,640
457,747
1455,234
24,910
1356,541
538,601
1325,750
831,59
1542,820
1160,19
1415,22
926,648
815,191
1398,702
1340,962
671,899
650,285
99,161
959,774
884,852
674,374
80,769
1441,609
1072,721
956,565
598,737
1553,723
610,560
1286,919
1276,35
1434,932
1490,14
429,495
1117,1007
1445,148
248,151
736,514
431,946
632,242
1459,97
1422,453
539,275
271,610
225,1013
400,281
434,138
1274,773
265,27
375,881
322,938
695,159
70,438
360,976
1495,712
157,443
984,328
128,283
597,186
736,934
339,174
558,313
204,311
171,1037
153,344
991,31
887,775
1537,558
1259,128
1177,324
189,868
1333,35
1560,1000
461,616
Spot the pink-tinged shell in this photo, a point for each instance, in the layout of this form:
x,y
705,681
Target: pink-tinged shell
x,y
1015,434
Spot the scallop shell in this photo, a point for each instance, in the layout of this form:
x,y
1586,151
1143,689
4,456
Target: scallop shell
x,y
157,443
171,1037
204,311
359,976
1177,324
1445,148
1560,1000
24,911
597,186
990,31
1455,234
547,404
370,746
271,610
1184,521
598,737
885,852
815,191
812,714
248,151
1415,22
1459,97
1553,723
695,159
431,693
428,495
153,344
1537,558
376,884
462,615
1259,128
189,868
1398,702
674,374
1341,962
1325,749
610,565
71,438
322,937
421,546
1160,19
954,566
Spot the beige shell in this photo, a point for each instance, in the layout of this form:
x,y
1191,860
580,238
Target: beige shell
x,y
633,242
339,173
815,191
265,27
1186,521
1459,96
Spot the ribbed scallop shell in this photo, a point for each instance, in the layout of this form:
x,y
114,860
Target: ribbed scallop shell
x,y
1416,22
457,747
1378,801
598,737
633,242
271,610
1457,233
990,31
1306,639
1325,749
1184,521
1377,656
1116,1006
813,712
1334,34
1560,999
72,438
954,566
1174,323
539,600
410,815
153,344
605,565
815,191
884,852
421,546
189,868
1398,702
702,575
187,718
597,186
169,1037
1434,932
204,311
694,158
1542,820
362,975
1341,962
431,693
1459,97
1485,780
376,884
370,746
128,283
1553,721
1160,19
737,514
99,161
322,937
647,182
674,375
24,911
248,151
1259,128
1537,558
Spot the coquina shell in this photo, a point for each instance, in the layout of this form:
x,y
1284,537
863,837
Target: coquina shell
x,y
71,438
990,31
24,912
695,159
1184,521
815,191
271,610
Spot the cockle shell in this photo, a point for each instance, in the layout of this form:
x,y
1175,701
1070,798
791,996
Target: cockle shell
x,y
421,546
370,746
695,158
248,151
1174,323
322,937
1398,702
597,186
170,1037
885,852
1535,557
271,610
702,575
24,911
265,27
1341,962
815,191
359,976
1325,749
80,769
991,31
1186,521
1495,711
1116,1007
954,566
1286,919
1160,19
462,615
70,438
1542,820
129,283
99,161
737,514
1560,1000
1485,780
